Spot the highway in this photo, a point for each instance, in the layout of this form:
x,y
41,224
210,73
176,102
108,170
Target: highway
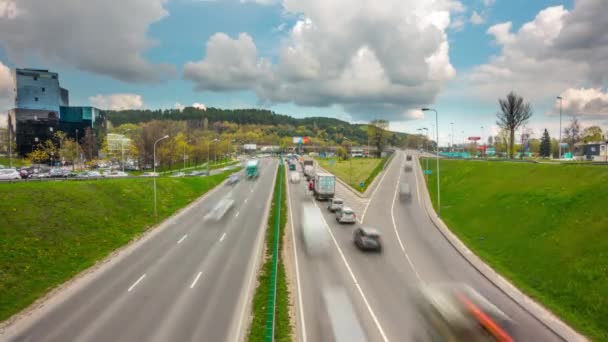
x,y
190,281
379,285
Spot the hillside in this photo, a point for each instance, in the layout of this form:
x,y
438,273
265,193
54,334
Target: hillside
x,y
284,125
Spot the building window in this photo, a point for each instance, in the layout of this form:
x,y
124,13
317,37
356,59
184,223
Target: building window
x,y
36,99
35,78
43,89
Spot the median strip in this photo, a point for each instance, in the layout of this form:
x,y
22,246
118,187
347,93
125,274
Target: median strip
x,y
271,321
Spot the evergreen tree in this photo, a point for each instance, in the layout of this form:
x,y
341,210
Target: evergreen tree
x,y
545,145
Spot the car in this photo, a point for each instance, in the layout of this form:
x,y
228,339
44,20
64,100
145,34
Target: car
x,y
25,172
457,312
367,238
295,178
178,174
335,204
89,174
220,209
59,173
292,166
346,215
114,174
408,167
9,174
405,193
150,174
233,179
408,157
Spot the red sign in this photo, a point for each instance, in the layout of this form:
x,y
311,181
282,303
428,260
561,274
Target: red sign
x,y
474,138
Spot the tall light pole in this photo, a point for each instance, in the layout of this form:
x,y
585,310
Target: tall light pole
x,y
452,144
559,156
122,149
350,161
484,144
155,175
208,156
437,158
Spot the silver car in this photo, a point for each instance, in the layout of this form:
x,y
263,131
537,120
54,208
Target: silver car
x,y
346,215
335,204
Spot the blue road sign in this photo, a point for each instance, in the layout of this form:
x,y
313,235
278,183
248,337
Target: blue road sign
x,y
428,172
362,184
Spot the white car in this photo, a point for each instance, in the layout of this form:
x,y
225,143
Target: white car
x,y
220,209
346,215
335,204
9,174
295,178
115,174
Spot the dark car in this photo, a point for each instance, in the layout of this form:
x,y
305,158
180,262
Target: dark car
x,y
408,157
367,239
26,173
292,167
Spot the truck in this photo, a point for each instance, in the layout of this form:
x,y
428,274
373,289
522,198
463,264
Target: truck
x,y
309,172
252,168
324,186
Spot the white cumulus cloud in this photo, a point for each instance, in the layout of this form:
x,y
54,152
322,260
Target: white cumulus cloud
x,y
477,19
103,37
117,101
198,105
374,59
558,50
588,102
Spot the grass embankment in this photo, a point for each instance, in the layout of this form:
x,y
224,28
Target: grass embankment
x,y
16,161
362,170
257,331
50,231
545,227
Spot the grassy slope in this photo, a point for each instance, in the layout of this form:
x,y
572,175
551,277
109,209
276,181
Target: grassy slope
x,y
363,170
257,331
17,162
543,226
50,231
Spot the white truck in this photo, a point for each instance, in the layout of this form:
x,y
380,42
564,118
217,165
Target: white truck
x,y
325,186
309,172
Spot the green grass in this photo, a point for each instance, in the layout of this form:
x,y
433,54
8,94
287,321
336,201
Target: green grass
x,y
50,231
362,170
283,326
17,162
545,227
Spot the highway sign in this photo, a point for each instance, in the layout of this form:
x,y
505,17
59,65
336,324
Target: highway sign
x,y
474,138
428,172
362,184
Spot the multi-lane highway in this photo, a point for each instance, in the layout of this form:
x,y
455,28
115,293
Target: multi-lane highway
x,y
188,281
380,285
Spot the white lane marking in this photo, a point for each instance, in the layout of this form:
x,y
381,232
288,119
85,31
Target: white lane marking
x,y
237,214
222,238
295,258
136,282
196,279
374,193
397,232
182,239
352,275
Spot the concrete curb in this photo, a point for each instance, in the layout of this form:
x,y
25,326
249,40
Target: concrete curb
x,y
246,297
544,316
371,187
21,320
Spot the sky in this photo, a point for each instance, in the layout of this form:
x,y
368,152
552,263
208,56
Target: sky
x,y
355,60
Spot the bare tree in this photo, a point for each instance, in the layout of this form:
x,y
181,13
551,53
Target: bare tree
x,y
572,133
513,113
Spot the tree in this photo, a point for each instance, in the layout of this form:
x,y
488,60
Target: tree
x,y
545,145
341,152
377,134
572,133
514,112
38,156
592,133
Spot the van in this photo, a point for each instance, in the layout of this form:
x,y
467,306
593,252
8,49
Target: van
x,y
295,178
405,193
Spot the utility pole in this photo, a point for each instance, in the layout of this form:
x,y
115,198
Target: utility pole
x,y
437,158
452,144
559,156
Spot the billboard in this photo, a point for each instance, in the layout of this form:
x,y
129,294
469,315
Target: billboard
x,y
301,140
474,138
250,147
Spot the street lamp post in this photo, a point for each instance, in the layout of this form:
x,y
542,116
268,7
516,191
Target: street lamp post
x,y
482,141
155,175
437,158
208,156
559,156
452,144
350,161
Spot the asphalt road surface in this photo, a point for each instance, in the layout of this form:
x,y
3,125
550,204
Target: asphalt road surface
x,y
379,285
186,283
